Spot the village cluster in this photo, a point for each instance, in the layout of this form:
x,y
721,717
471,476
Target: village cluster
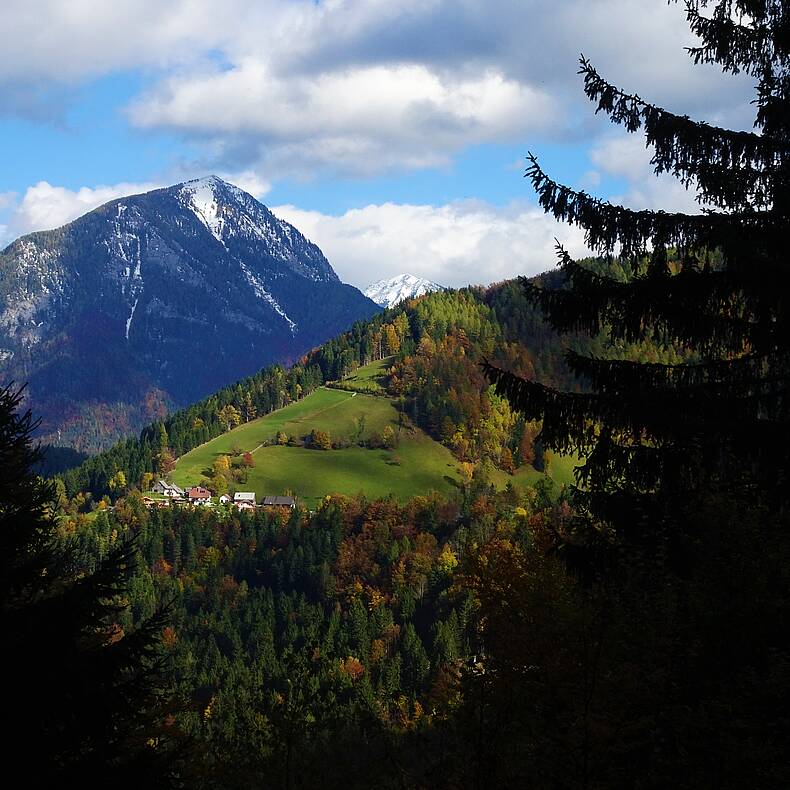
x,y
197,495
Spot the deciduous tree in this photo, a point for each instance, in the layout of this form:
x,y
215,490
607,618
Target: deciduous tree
x,y
229,416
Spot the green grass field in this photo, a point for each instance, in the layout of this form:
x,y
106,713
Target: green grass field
x,y
367,378
417,465
560,471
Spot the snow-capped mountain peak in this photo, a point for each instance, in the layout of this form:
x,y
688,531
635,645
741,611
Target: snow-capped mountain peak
x,y
202,196
236,219
388,293
175,292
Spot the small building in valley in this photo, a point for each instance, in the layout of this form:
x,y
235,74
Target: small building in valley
x,y
224,499
197,495
244,500
279,501
167,489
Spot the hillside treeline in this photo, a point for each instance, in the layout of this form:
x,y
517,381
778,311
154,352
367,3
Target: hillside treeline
x,y
435,344
335,648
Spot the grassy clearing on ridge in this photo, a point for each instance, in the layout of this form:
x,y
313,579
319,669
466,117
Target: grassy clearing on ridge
x,y
418,465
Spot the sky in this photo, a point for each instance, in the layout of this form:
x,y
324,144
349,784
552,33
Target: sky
x,y
392,134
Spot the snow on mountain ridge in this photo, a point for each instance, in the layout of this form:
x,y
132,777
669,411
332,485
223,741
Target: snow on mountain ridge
x,y
229,212
202,197
388,293
153,301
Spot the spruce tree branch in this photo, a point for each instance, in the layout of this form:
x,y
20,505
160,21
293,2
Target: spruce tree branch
x,y
723,312
589,423
607,225
662,126
752,376
733,169
735,47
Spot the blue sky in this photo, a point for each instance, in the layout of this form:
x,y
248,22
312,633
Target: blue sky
x,y
392,134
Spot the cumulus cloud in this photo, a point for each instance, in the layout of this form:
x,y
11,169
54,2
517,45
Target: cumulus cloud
x,y
44,206
359,86
622,155
360,120
356,87
59,41
461,243
364,86
248,180
638,43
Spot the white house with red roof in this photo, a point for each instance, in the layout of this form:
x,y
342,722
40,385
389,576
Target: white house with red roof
x,y
197,495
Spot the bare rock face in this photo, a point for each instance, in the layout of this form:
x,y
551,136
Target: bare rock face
x,y
153,301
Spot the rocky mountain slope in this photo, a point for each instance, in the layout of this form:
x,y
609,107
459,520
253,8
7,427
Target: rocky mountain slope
x,y
388,293
153,301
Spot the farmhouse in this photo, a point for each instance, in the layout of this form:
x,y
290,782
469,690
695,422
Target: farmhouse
x,y
168,489
244,500
224,499
279,501
197,495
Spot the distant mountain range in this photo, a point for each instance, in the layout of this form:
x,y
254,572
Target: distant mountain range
x,y
388,293
153,301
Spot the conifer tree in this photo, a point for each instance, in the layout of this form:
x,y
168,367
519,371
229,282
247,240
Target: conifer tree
x,y
679,552
80,696
714,284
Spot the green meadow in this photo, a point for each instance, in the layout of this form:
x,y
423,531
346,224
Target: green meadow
x,y
417,465
369,377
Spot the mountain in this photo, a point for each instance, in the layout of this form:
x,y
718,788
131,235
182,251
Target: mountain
x,y
152,301
388,293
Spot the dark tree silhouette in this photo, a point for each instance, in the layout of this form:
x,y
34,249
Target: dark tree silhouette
x,y
81,698
680,545
716,284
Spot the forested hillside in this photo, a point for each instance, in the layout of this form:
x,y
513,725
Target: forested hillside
x,y
529,535
456,640
435,344
322,650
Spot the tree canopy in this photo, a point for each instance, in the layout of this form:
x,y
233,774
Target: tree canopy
x,y
713,284
81,694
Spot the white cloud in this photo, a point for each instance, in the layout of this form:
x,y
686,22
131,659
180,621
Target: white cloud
x,y
622,155
461,243
355,87
249,181
68,41
361,120
364,86
45,206
358,86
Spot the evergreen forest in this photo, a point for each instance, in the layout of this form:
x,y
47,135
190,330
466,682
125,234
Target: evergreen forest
x,y
631,630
